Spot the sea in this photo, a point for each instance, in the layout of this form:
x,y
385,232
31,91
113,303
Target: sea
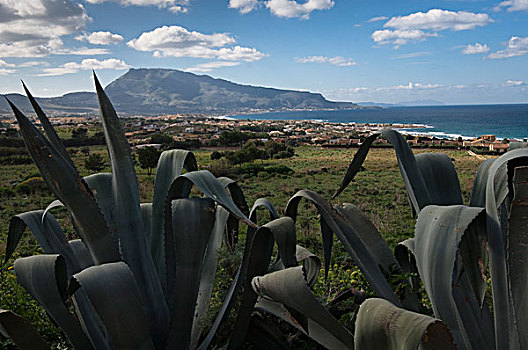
x,y
467,121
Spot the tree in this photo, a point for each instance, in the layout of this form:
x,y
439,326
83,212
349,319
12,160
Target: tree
x,y
79,133
216,155
148,158
161,138
94,162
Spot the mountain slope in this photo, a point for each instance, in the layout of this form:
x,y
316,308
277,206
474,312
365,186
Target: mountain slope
x,y
161,91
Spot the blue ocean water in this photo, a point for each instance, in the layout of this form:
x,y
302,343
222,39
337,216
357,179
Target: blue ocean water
x,y
510,121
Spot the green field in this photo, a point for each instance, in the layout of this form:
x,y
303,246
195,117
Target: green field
x,y
378,191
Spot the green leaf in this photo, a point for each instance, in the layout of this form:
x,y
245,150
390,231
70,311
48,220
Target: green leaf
x,y
497,252
129,221
48,128
381,325
211,187
440,178
412,177
66,184
170,165
233,222
114,295
192,224
404,253
45,278
290,288
438,233
311,264
518,250
256,263
146,213
351,239
208,274
81,253
101,186
23,334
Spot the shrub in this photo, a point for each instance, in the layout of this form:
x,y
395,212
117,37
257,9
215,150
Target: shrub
x,y
6,192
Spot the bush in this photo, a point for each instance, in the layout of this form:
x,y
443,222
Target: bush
x,y
94,162
216,155
6,192
31,185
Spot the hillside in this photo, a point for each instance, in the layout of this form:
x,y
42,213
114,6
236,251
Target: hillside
x,y
161,91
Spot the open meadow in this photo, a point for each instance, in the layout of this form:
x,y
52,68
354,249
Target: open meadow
x,y
378,191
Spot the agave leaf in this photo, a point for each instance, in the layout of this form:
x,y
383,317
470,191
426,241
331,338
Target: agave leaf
x,y
290,288
81,253
369,235
517,252
48,128
350,238
311,264
170,165
113,293
129,221
441,179
438,233
66,184
478,192
258,260
207,278
45,278
210,187
233,222
404,253
497,252
238,281
146,213
381,325
46,230
328,241
101,186
412,177
23,334
192,224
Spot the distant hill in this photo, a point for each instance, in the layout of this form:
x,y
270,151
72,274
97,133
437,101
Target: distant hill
x,y
421,103
162,91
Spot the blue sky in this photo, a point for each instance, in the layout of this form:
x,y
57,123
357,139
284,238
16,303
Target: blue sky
x,y
456,52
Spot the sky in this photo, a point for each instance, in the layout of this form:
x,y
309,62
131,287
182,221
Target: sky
x,y
453,52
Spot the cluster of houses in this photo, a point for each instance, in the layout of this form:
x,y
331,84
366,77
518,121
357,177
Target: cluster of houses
x,y
298,132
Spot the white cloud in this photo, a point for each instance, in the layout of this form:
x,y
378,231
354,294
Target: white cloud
x,y
377,19
477,48
244,6
100,38
421,25
400,37
209,66
438,20
32,64
176,41
33,28
336,60
291,8
514,83
175,6
4,71
513,5
412,55
516,47
5,64
86,64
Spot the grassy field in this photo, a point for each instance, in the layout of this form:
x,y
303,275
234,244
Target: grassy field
x,y
378,191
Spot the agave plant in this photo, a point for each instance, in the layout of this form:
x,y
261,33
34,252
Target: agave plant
x,y
141,275
455,245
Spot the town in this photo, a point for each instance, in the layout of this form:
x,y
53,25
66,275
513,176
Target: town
x,y
195,131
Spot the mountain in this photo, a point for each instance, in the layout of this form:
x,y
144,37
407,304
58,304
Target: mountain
x,y
169,91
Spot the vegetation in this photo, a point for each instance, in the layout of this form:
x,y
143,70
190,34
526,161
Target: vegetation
x,y
94,162
173,243
148,158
